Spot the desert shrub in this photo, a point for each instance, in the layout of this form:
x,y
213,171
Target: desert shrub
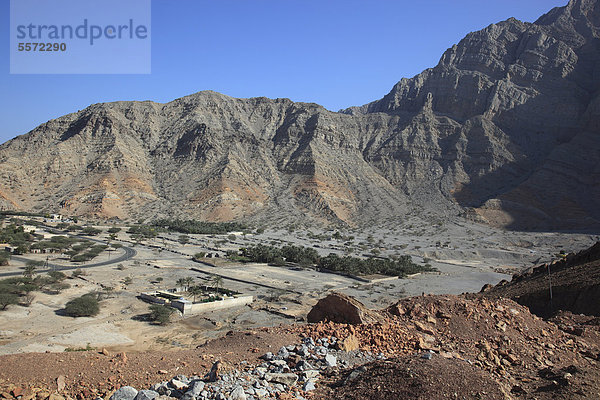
x,y
6,299
78,272
90,230
198,227
161,314
4,257
57,276
114,229
183,239
142,231
84,306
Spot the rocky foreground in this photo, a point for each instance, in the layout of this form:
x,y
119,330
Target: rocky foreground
x,y
473,346
426,347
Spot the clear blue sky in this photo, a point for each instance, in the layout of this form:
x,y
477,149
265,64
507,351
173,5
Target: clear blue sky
x,y
337,53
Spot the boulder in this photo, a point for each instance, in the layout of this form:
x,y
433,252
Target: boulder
x,y
340,308
124,393
288,379
146,395
237,394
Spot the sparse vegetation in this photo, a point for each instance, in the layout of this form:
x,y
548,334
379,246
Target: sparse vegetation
x,y
7,299
161,314
91,231
86,348
4,258
191,226
270,254
400,266
183,239
139,232
16,236
84,306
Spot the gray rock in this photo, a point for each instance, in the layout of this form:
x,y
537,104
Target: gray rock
x,y
288,379
330,360
237,394
146,395
309,385
177,384
303,365
279,363
311,374
260,393
195,388
124,393
283,353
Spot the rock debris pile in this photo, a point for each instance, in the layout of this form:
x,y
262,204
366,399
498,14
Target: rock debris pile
x,y
290,373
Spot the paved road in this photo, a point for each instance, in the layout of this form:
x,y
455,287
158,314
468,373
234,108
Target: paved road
x,y
129,253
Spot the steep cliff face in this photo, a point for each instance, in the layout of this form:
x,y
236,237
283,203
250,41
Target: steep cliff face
x,y
505,126
519,104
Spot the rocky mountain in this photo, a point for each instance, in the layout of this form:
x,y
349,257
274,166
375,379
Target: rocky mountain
x,y
504,129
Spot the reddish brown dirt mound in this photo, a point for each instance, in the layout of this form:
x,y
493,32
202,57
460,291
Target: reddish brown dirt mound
x,y
574,283
413,378
501,338
338,307
88,374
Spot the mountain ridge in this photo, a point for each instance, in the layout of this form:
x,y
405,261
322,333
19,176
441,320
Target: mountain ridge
x,y
502,130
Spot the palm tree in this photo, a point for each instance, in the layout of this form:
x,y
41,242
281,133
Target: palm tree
x,y
188,282
217,282
195,291
181,282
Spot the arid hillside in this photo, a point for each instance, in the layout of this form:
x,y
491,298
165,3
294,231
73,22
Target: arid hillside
x,y
504,129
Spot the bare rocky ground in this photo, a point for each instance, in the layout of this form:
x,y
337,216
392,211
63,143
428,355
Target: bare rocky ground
x,y
471,341
436,347
466,255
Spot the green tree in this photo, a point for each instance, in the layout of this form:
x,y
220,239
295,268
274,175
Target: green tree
x,y
84,306
4,258
195,291
188,281
183,239
217,282
161,314
30,268
90,230
7,299
114,230
57,276
181,282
